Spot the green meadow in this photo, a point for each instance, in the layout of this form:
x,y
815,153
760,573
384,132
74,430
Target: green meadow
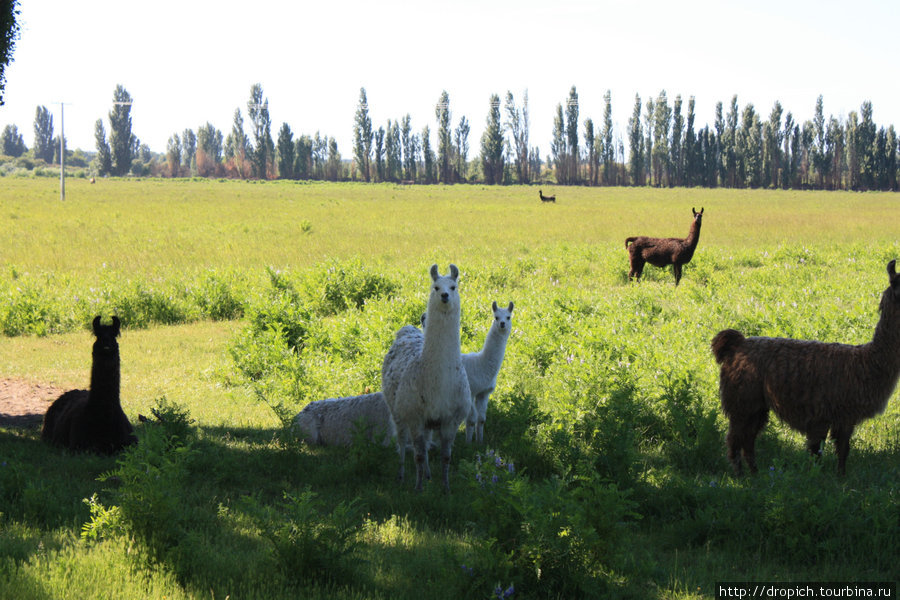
x,y
603,472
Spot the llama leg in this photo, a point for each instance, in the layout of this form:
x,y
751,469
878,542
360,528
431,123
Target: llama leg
x,y
446,449
815,435
421,458
471,425
428,435
753,426
734,442
480,430
637,268
841,438
402,440
676,268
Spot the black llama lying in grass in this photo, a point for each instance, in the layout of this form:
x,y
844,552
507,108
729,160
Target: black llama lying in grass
x,y
812,386
546,198
93,420
661,252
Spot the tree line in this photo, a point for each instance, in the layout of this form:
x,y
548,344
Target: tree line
x,y
742,148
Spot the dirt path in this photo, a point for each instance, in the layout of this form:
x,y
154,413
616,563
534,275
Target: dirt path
x,y
23,404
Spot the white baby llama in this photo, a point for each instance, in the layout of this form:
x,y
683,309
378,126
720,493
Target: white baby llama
x,y
424,381
482,369
334,421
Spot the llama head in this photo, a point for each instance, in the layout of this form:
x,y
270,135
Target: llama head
x,y
106,348
891,297
444,292
503,317
697,215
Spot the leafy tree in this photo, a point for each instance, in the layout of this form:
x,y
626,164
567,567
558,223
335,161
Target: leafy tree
x,y
719,151
104,154
492,145
393,152
334,168
303,157
189,150
750,148
649,109
834,154
122,141
691,175
572,135
590,145
444,138
558,147
11,142
428,156
362,136
662,119
461,139
173,155
772,141
729,143
676,148
786,158
286,152
517,125
818,151
379,152
209,150
43,135
606,139
261,123
237,146
636,144
409,152
9,33
866,146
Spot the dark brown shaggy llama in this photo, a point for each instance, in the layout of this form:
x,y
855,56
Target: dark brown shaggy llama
x,y
812,386
546,198
661,252
93,420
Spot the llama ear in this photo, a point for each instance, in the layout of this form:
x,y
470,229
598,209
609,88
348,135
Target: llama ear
x,y
96,325
494,306
891,269
434,272
454,272
116,325
510,309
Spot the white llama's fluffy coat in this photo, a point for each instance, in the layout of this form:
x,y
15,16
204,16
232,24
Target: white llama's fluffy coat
x,y
334,421
423,378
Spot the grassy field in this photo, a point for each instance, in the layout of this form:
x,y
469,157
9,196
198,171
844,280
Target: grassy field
x,y
243,301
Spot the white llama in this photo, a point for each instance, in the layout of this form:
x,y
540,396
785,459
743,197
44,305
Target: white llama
x,y
482,369
424,381
333,422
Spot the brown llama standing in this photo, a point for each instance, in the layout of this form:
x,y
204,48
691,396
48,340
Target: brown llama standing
x,y
661,252
812,386
93,420
546,198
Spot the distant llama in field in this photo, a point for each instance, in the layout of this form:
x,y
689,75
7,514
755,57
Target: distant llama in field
x,y
93,420
661,252
423,378
546,198
812,386
483,367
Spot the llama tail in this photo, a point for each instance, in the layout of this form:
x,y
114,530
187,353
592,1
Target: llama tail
x,y
725,343
629,240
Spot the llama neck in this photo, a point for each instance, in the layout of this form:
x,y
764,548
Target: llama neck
x,y
104,383
885,345
494,349
442,345
693,235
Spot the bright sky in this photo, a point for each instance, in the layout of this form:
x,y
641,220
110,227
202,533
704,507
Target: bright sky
x,y
186,62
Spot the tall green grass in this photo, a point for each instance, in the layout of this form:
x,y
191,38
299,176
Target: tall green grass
x,y
603,472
